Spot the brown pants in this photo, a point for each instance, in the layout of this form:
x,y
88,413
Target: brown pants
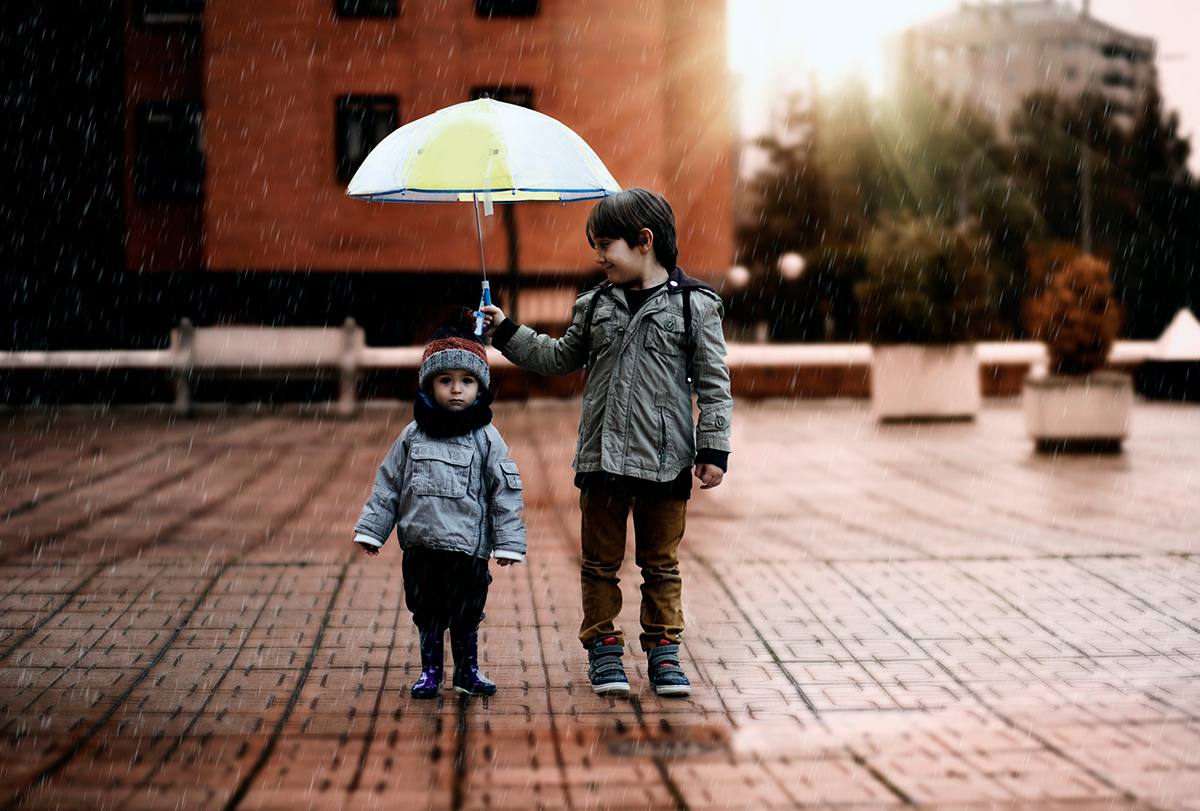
x,y
658,525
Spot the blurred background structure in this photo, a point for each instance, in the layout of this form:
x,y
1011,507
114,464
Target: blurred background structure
x,y
177,159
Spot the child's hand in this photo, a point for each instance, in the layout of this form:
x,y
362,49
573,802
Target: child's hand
x,y
373,551
709,475
507,561
493,317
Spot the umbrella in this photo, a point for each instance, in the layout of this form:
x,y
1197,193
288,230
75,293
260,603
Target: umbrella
x,y
482,151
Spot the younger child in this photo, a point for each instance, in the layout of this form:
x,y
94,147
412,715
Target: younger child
x,y
651,338
454,496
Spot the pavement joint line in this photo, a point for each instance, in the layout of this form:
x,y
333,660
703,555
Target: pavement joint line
x,y
369,737
659,761
297,507
858,758
555,735
178,475
75,747
268,749
182,736
207,508
1028,731
165,535
1074,561
1093,660
71,596
458,786
118,468
82,655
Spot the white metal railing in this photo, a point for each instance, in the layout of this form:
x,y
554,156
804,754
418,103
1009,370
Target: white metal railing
x,y
261,350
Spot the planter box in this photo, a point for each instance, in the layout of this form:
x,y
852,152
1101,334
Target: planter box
x,y
911,382
1088,413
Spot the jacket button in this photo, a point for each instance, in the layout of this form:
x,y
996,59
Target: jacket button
x,y
720,422
670,323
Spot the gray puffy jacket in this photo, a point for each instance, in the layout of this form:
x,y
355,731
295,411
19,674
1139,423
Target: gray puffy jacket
x,y
460,493
637,404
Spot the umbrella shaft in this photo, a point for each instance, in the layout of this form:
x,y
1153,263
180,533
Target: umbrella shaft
x,y
479,231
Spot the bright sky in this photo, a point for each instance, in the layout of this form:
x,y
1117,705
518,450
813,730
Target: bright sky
x,y
776,43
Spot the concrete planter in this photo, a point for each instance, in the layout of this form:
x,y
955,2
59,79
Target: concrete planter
x,y
1078,412
915,382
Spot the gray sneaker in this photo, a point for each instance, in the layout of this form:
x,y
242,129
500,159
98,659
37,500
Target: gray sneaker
x,y
666,674
605,670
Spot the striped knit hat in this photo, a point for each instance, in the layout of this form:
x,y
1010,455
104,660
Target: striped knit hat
x,y
455,348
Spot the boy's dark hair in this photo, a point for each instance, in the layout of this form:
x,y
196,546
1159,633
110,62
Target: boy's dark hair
x,y
626,213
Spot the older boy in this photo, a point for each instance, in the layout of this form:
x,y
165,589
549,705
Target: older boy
x,y
650,336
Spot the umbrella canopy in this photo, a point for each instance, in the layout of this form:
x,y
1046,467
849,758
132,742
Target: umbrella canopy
x,y
482,150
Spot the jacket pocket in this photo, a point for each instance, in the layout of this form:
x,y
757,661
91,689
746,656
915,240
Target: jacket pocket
x,y
664,333
603,327
440,470
511,475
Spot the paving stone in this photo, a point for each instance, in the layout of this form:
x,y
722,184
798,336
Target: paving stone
x,y
922,612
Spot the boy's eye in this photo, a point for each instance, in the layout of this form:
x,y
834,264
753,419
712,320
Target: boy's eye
x,y
467,379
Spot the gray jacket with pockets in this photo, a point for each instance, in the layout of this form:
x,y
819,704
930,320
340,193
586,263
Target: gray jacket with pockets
x,y
637,414
461,494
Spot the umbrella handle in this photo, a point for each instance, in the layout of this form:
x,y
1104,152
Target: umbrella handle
x,y
485,300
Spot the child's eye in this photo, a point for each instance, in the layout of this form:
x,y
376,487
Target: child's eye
x,y
468,379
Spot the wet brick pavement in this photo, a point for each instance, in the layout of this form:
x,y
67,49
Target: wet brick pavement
x,y
912,615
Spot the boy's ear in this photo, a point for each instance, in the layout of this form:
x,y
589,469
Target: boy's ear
x,y
645,240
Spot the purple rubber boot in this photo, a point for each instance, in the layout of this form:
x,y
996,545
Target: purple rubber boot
x,y
432,654
467,678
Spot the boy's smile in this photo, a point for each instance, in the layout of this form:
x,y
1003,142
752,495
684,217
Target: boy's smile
x,y
455,389
624,265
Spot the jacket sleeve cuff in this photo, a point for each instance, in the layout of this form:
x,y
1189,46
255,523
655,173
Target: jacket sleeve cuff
x,y
711,456
367,539
507,555
504,333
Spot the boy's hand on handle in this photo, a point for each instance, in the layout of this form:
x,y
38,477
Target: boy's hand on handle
x,y
373,551
493,317
709,475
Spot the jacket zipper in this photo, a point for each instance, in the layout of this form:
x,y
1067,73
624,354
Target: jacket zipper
x,y
483,512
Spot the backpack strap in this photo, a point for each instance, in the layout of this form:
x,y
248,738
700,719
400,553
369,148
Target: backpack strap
x,y
587,323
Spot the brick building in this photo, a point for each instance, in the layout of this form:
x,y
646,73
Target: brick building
x,y
245,119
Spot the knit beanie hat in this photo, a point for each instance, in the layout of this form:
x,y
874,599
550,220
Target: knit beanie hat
x,y
455,346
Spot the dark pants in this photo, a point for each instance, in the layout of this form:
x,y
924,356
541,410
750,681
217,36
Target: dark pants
x,y
658,524
445,589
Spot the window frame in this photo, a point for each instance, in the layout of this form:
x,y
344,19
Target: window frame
x,y
345,166
149,184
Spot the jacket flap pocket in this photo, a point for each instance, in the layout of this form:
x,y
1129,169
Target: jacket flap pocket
x,y
511,474
450,454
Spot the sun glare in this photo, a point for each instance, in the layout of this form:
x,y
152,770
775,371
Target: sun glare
x,y
785,44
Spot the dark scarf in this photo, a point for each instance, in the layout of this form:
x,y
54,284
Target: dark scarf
x,y
438,422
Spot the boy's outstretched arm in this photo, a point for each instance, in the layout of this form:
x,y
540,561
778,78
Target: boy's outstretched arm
x,y
533,351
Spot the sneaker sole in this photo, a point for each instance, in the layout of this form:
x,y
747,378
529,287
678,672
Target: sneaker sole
x,y
673,690
614,687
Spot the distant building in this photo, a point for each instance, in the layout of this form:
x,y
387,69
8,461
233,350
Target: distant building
x,y
994,55
245,121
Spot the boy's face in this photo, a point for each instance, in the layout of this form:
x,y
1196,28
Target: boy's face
x,y
621,263
455,389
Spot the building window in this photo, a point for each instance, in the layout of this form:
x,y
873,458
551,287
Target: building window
x,y
367,8
520,95
170,12
169,160
506,8
362,122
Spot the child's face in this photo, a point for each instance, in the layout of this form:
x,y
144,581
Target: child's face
x,y
621,263
455,389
